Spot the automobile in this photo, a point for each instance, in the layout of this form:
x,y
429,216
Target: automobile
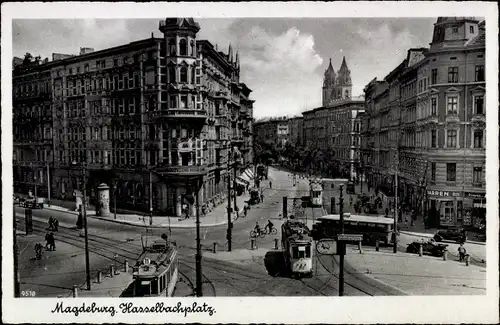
x,y
457,234
32,203
429,248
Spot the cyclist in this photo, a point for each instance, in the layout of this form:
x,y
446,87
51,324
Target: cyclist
x,y
257,229
269,226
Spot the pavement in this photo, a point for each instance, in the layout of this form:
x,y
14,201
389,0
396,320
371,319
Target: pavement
x,y
217,217
418,275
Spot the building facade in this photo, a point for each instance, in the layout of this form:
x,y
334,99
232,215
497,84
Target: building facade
x,y
438,144
161,110
295,128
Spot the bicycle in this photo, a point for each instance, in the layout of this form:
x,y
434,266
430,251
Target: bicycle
x,y
263,233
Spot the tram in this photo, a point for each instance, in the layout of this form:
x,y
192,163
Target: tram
x,y
316,192
296,244
156,271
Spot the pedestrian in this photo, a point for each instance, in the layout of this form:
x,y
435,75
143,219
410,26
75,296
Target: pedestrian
x,y
52,242
350,200
461,252
270,184
47,240
261,197
386,212
56,224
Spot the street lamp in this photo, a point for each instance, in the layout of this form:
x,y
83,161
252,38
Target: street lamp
x,y
87,258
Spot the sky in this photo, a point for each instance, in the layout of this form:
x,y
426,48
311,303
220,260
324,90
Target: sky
x,y
282,59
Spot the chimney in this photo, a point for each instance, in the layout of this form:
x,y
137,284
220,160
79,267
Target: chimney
x,y
85,50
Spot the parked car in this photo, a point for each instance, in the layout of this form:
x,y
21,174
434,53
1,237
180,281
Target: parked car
x,y
429,248
453,233
32,203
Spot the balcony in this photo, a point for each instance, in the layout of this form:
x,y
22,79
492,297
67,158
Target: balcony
x,y
452,118
478,118
182,170
183,113
433,119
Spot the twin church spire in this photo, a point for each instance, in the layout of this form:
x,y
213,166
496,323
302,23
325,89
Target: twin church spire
x,y
336,86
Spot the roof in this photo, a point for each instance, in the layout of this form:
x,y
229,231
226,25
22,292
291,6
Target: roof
x,y
479,39
295,231
358,218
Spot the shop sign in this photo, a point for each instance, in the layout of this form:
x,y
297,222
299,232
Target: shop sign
x,y
475,194
443,193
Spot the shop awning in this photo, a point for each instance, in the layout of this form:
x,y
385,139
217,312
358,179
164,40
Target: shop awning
x,y
480,205
241,182
244,178
249,172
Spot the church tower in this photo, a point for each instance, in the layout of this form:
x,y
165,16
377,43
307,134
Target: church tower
x,y
344,83
328,84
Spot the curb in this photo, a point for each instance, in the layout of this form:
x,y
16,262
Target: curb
x,y
409,233
234,218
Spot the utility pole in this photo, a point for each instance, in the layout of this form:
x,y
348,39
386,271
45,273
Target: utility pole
x,y
115,192
87,258
48,184
229,223
199,289
396,206
234,187
150,199
17,285
341,245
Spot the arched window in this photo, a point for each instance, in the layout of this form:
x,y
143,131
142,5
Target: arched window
x,y
171,75
183,47
347,93
184,74
193,49
171,45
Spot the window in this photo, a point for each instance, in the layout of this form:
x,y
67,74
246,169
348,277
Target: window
x,y
479,104
471,29
70,71
452,104
477,175
433,106
171,45
77,70
451,138
479,73
434,139
451,172
434,74
183,47
86,68
433,171
184,77
184,101
452,74
173,101
171,74
478,138
454,30
115,62
136,80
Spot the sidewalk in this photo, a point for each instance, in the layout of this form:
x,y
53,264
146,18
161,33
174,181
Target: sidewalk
x,y
415,275
217,217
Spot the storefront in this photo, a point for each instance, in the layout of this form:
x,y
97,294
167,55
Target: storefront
x,y
456,208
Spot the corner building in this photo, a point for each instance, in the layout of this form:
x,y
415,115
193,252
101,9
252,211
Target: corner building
x,y
433,103
170,108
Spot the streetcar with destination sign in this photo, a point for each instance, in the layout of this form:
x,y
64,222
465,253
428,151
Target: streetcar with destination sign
x,y
371,227
296,244
156,271
316,193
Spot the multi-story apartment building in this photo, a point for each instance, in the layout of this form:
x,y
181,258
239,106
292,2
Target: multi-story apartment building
x,y
160,110
274,131
438,144
295,129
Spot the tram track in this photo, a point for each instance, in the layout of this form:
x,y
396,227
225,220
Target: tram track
x,y
109,249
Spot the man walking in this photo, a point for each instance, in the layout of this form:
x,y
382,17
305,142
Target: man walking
x,y
461,252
